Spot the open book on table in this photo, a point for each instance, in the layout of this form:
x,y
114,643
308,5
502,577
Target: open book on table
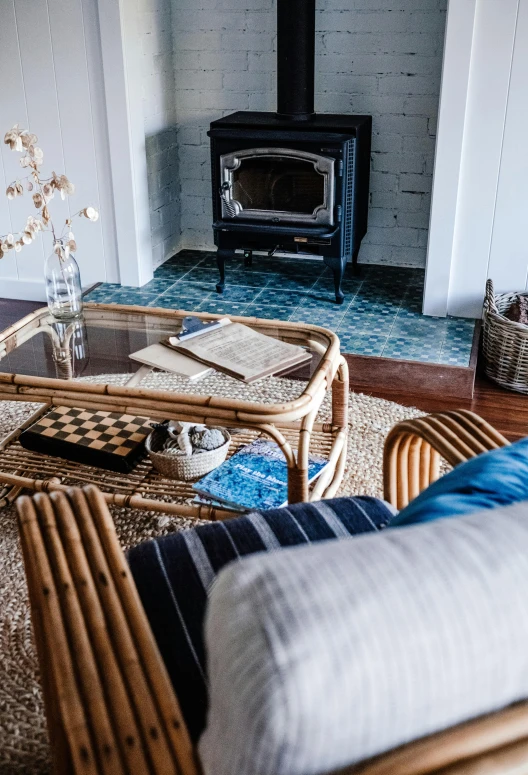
x,y
240,351
161,357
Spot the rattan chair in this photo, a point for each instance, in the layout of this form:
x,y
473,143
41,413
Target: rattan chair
x,y
413,450
110,707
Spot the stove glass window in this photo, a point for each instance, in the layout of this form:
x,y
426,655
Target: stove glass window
x,y
278,184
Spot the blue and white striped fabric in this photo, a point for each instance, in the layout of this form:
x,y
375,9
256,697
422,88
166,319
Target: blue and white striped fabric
x,y
322,656
174,575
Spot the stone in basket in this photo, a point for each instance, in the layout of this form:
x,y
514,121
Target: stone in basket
x,y
187,451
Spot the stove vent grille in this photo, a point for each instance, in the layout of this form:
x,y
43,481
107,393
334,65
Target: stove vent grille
x,y
349,198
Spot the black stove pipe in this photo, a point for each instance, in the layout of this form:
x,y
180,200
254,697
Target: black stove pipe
x,y
295,59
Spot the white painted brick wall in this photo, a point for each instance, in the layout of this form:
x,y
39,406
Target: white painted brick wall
x,y
381,57
159,105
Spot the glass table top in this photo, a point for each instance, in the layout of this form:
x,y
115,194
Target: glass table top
x,y
97,344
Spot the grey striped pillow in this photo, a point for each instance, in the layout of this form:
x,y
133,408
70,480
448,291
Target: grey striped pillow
x,y
322,656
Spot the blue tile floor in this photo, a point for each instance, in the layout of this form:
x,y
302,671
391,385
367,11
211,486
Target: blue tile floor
x,y
380,316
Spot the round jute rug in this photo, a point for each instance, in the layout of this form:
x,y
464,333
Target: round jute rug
x,y
23,740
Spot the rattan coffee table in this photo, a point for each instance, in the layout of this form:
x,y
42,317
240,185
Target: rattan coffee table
x,y
41,360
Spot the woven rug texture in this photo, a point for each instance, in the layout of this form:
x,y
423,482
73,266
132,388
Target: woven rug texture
x,y
23,738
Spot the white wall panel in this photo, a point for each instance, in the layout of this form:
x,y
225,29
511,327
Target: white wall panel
x,y
449,145
50,60
75,114
121,47
509,253
94,56
489,192
13,109
489,82
40,90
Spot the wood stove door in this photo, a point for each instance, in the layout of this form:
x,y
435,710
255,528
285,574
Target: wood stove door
x,y
280,185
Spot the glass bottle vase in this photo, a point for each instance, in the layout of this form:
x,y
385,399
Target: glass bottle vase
x,y
63,284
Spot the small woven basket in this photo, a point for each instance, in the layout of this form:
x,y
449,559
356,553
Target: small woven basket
x,y
505,343
184,467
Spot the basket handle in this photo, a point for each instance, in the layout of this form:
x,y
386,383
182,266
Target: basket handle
x,y
489,301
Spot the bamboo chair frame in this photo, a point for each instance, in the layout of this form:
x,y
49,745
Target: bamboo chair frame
x,y
411,460
110,707
290,424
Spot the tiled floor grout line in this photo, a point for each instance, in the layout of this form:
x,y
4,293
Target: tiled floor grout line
x,y
394,320
372,295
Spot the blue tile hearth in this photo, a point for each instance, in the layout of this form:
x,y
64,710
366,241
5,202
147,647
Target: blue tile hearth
x,y
381,315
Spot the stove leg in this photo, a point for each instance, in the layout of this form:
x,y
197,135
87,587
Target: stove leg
x,y
337,265
221,256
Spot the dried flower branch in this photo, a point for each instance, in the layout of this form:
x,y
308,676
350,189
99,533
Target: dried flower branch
x,y
22,141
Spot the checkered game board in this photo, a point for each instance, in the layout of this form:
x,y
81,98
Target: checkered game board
x,y
117,434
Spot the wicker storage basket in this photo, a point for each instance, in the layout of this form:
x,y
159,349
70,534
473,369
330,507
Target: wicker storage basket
x,y
184,467
505,343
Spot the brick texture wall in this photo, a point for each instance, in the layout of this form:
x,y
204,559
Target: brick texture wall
x,y
381,57
159,107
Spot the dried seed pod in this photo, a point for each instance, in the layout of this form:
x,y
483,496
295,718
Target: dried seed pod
x,y
13,140
38,200
28,139
90,213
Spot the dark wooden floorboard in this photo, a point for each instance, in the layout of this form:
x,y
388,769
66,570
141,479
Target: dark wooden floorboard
x,y
12,310
506,411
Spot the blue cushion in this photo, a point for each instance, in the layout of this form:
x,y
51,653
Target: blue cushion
x,y
492,479
174,575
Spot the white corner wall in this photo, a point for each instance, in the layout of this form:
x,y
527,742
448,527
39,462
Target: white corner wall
x,y
159,115
52,76
380,57
480,192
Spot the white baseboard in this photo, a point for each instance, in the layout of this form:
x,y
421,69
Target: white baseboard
x,y
27,290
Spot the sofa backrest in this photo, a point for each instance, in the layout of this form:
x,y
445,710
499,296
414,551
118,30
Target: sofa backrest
x,y
320,657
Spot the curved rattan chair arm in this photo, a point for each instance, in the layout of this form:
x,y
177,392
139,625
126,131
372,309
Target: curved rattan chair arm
x,y
496,744
412,447
109,703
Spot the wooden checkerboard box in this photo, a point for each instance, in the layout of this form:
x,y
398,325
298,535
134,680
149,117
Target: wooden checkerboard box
x,y
96,438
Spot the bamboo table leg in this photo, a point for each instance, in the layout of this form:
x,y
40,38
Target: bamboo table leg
x,y
298,489
340,392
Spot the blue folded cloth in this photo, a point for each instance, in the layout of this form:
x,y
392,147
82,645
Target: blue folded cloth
x,y
492,479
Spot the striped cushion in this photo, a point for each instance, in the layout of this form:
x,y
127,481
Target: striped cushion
x,y
322,656
174,574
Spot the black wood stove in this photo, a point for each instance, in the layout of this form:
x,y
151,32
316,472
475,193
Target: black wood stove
x,y
291,181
